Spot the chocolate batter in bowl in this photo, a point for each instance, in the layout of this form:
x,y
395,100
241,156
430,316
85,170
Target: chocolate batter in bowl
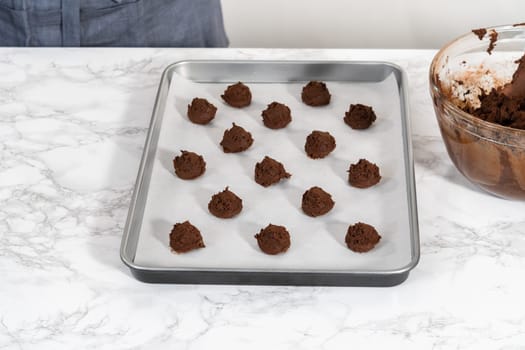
x,y
472,91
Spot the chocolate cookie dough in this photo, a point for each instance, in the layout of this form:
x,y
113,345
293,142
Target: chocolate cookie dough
x,y
319,144
480,33
493,36
236,139
276,116
225,204
506,105
359,116
185,237
237,95
361,237
200,111
273,239
315,93
317,202
363,174
269,171
189,165
516,88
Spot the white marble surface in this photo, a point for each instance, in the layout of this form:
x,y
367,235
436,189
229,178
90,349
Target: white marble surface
x,y
72,126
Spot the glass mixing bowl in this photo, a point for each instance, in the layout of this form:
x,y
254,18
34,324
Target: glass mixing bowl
x,y
487,154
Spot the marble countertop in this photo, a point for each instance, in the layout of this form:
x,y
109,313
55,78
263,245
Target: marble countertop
x,y
72,125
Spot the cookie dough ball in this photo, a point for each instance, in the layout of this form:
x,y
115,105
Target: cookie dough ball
x,y
200,111
269,171
225,204
237,95
273,239
185,237
189,165
361,237
236,139
363,174
359,116
276,116
315,93
317,202
319,144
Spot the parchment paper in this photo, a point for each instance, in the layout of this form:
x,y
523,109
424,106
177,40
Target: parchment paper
x,y
317,243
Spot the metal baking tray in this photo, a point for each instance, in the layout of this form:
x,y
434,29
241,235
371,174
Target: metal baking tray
x,y
318,255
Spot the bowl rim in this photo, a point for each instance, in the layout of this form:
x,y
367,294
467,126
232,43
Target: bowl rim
x,y
435,86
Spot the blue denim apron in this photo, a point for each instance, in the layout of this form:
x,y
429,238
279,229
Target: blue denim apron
x,y
130,23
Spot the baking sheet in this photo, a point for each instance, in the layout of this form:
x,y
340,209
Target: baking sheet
x,y
317,243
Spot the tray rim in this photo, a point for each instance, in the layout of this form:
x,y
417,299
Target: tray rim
x,y
141,271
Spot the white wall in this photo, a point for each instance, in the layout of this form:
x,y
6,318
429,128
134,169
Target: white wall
x,y
361,24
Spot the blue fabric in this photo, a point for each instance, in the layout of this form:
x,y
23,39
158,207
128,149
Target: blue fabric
x,y
70,21
125,23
